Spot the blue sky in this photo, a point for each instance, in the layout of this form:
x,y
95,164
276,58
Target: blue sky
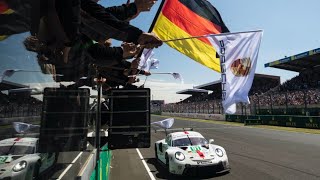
x,y
290,27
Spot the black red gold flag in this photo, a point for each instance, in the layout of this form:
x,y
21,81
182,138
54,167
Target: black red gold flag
x,y
188,18
14,17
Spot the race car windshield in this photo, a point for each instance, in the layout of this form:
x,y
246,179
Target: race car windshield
x,y
16,150
191,141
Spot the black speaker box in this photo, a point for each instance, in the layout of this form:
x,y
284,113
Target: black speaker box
x,y
129,125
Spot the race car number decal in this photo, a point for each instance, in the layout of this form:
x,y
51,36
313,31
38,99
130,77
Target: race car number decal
x,y
3,159
195,148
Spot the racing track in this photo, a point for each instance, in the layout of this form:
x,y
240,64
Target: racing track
x,y
254,153
68,163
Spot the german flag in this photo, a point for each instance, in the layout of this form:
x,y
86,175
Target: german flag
x,y
187,18
14,17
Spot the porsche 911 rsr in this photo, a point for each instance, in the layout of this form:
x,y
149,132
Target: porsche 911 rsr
x,y
19,159
189,153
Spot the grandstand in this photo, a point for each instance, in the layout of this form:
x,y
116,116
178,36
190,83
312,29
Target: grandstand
x,y
17,104
6,85
196,94
307,64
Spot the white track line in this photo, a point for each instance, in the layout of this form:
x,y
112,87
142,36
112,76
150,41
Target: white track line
x,y
145,165
69,166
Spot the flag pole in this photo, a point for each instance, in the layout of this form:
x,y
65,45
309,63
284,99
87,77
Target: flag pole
x,y
207,35
151,73
161,73
156,16
152,25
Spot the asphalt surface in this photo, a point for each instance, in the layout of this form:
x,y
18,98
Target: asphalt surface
x,y
68,164
254,153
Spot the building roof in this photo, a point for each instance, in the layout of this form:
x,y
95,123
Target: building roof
x,y
193,91
6,85
216,85
299,62
210,86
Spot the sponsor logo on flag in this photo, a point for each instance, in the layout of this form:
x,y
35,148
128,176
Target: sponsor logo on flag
x,y
241,67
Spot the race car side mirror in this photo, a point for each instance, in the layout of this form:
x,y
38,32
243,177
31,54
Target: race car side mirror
x,y
211,141
160,147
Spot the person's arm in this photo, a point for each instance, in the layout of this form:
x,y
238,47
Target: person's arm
x,y
143,72
117,29
127,12
124,11
105,55
97,11
111,55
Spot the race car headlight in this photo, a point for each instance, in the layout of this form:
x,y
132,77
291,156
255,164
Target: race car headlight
x,y
180,156
219,152
20,166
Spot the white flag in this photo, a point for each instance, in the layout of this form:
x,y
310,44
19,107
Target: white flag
x,y
154,63
238,58
177,76
21,127
7,73
146,54
165,124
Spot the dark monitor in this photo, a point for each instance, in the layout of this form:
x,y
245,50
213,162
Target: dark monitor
x,y
64,120
129,125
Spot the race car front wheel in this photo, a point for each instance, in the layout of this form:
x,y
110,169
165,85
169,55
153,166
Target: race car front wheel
x,y
36,171
167,163
155,151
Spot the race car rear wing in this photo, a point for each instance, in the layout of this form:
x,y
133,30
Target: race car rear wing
x,y
173,130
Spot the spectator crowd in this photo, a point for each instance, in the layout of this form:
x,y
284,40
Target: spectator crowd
x,y
19,106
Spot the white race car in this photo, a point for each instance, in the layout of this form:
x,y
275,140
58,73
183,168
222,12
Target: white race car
x,y
19,159
189,153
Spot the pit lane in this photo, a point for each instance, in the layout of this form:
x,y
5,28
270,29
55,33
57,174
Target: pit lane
x,y
253,153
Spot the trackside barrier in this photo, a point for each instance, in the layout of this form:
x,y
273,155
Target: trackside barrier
x,y
252,122
104,165
236,118
217,117
312,122
87,169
